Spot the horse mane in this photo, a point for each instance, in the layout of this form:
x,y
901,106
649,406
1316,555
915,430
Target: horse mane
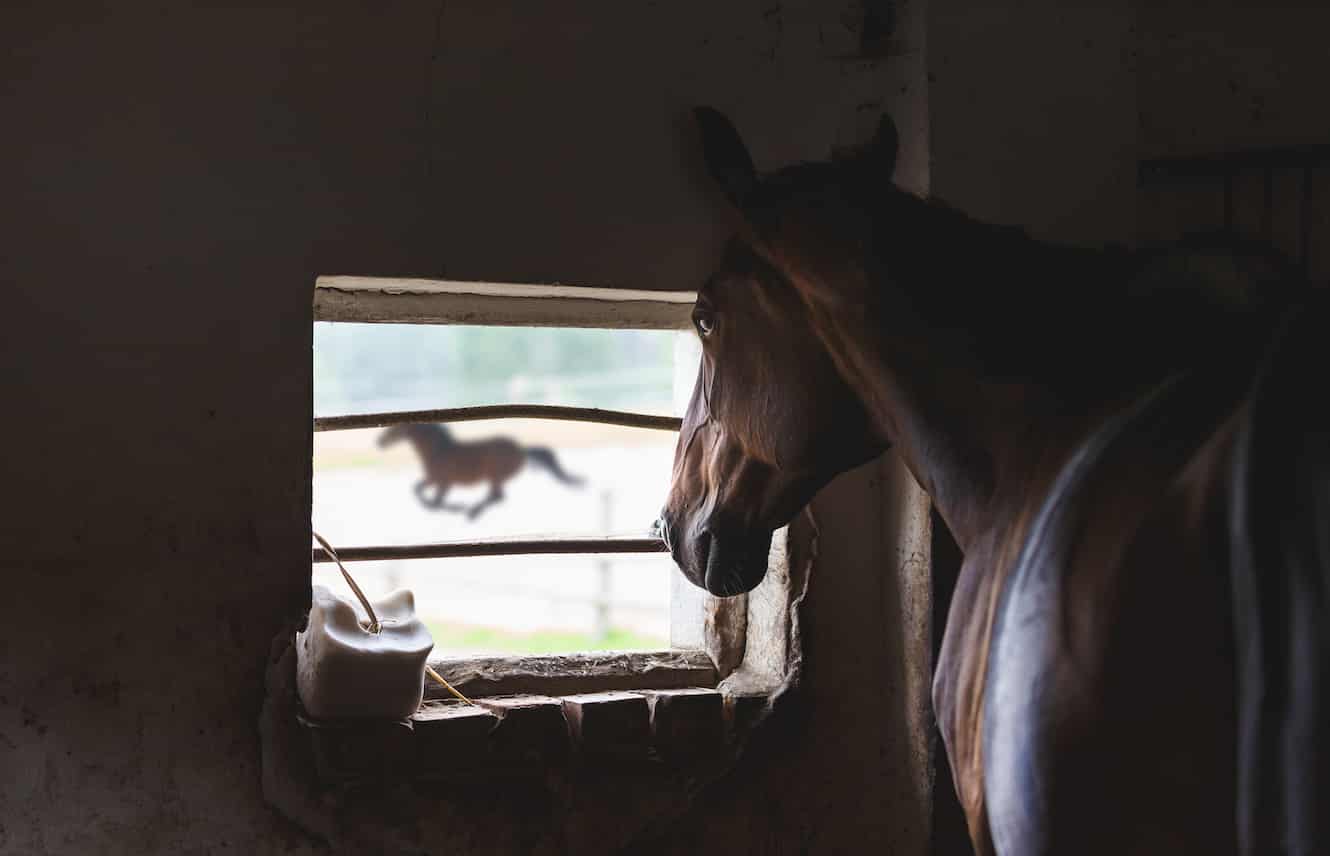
x,y
435,433
1026,309
1086,321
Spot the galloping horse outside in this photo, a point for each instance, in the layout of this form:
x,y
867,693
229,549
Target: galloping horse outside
x,y
448,462
1124,446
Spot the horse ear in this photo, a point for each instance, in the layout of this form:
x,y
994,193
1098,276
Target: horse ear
x,y
885,146
874,160
726,156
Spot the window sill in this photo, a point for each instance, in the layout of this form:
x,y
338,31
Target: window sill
x,y
566,674
532,716
532,735
628,724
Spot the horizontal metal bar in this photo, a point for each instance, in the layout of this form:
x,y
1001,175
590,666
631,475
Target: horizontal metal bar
x,y
500,411
496,547
1305,191
1221,163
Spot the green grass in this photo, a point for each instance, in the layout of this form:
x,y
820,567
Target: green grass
x,y
462,638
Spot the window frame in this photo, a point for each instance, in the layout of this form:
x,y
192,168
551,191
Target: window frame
x,y
724,630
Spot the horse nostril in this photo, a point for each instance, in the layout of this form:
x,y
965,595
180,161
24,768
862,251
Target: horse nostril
x,y
704,545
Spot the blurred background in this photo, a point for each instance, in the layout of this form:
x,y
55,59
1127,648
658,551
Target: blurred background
x,y
365,494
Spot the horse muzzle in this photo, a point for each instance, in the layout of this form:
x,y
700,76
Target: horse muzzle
x,y
722,561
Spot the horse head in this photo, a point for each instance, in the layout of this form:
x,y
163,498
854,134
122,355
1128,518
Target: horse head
x,y
420,431
394,434
770,421
390,435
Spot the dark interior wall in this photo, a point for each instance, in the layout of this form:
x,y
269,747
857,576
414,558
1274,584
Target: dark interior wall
x,y
1226,77
1039,113
1219,76
174,179
1032,109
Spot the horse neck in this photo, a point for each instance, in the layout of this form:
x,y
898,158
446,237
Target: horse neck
x,y
422,440
437,438
919,347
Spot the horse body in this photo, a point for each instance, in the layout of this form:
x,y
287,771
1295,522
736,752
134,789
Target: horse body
x,y
1100,713
448,462
1094,692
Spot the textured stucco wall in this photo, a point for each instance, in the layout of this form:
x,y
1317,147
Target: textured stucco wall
x,y
1231,75
1032,109
174,179
1222,77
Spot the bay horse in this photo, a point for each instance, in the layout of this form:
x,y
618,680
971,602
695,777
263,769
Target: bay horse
x,y
1124,445
448,461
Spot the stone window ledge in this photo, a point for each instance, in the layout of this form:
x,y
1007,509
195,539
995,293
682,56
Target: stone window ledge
x,y
533,734
668,721
567,674
637,709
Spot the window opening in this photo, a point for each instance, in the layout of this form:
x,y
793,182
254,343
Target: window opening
x,y
480,559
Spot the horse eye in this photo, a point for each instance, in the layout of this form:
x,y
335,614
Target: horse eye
x,y
704,323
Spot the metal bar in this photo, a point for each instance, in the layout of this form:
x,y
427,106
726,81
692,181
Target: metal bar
x,y
1220,163
500,411
1305,221
497,547
1228,202
1268,205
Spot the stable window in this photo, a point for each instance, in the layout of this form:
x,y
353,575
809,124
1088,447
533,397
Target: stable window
x,y
502,450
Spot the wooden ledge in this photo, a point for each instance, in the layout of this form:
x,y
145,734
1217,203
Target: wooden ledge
x,y
426,301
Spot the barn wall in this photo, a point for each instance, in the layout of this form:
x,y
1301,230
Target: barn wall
x,y
175,177
1223,77
1032,110
1217,76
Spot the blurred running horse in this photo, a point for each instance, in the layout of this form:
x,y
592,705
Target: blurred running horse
x,y
448,462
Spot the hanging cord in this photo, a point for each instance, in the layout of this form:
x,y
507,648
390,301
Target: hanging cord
x,y
374,625
429,670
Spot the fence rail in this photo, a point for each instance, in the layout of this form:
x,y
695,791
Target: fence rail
x,y
1220,164
500,411
495,547
1222,169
